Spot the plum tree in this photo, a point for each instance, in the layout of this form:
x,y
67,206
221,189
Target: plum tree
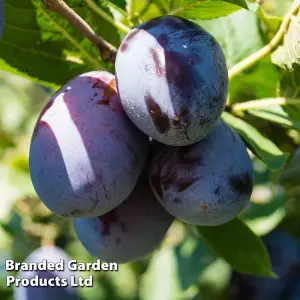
x,y
178,81
207,183
130,231
285,259
44,291
85,154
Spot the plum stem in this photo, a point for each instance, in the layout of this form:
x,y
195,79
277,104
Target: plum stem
x,y
260,103
107,51
267,49
117,24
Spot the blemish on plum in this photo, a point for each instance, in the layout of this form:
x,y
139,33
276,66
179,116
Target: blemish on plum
x,y
107,220
155,181
160,119
177,200
185,183
128,39
242,183
217,191
109,90
160,70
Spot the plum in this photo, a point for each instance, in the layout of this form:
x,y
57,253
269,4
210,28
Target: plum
x,y
130,231
285,259
207,183
46,292
85,154
172,79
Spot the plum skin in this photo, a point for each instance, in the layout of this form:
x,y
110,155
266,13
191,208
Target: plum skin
x,y
85,154
130,231
208,183
285,259
51,254
178,82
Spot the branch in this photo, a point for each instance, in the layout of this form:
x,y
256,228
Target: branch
x,y
271,46
256,104
107,51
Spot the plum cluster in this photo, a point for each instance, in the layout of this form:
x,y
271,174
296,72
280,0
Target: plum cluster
x,y
124,155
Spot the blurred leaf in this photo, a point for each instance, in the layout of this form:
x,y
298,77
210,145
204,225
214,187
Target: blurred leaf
x,y
193,9
264,148
277,115
174,273
1,16
160,281
271,23
239,246
291,172
42,45
263,210
259,82
289,53
230,33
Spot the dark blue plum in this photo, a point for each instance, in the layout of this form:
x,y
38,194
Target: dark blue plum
x,y
53,255
208,183
172,80
285,259
130,231
85,155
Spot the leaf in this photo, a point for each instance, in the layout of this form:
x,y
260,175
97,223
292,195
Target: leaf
x,y
42,45
239,246
277,115
174,272
1,16
262,147
193,9
259,82
289,53
230,32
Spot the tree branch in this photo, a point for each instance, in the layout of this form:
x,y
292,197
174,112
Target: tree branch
x,y
273,44
107,51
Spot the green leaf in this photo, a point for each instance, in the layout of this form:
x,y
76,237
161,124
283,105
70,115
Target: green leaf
x,y
259,82
262,147
173,272
42,45
239,246
277,115
193,9
230,31
289,53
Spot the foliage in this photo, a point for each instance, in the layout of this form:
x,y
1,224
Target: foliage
x,y
39,51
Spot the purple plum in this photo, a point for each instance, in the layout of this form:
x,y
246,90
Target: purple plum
x,y
172,79
208,183
85,155
47,292
130,231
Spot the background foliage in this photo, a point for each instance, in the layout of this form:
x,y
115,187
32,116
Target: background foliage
x,y
39,51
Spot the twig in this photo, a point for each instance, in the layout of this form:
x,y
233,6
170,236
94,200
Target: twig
x,y
105,16
107,51
256,104
273,44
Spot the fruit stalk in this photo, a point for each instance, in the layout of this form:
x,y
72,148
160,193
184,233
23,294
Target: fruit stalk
x,y
254,104
107,51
